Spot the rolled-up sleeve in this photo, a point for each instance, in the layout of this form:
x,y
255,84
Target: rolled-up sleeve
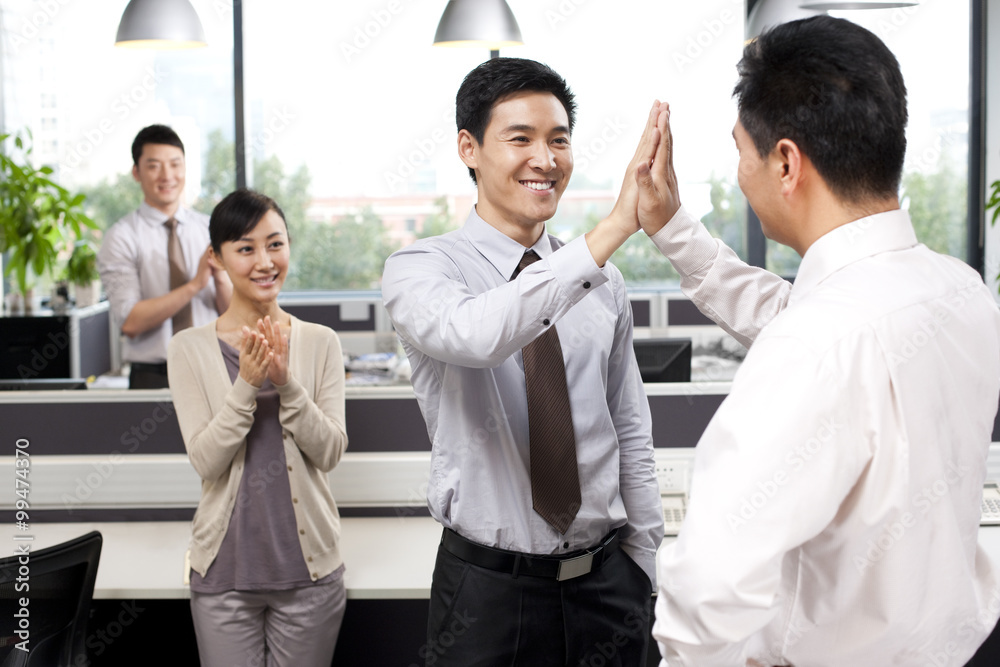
x,y
116,262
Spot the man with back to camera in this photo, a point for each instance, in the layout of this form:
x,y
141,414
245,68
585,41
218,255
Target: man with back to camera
x,y
550,525
835,501
154,262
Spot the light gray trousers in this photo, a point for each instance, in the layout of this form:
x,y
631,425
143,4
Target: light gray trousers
x,y
293,628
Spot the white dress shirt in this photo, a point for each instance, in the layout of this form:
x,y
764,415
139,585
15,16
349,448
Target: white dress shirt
x,y
463,324
835,503
133,265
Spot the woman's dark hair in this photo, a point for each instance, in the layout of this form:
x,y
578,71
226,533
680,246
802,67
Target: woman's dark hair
x,y
237,214
834,89
498,78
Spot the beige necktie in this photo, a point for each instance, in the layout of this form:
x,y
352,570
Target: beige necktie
x,y
178,274
555,479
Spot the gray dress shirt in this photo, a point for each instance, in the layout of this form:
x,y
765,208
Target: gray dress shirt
x,y
463,323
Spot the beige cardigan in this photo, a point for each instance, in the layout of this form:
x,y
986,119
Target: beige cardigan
x,y
215,415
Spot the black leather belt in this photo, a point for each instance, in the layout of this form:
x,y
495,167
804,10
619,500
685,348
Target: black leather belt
x,y
142,367
560,568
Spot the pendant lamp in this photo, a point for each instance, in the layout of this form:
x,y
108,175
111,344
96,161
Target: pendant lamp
x,y
160,24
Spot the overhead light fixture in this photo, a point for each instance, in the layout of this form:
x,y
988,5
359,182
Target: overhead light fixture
x,y
486,24
769,13
827,5
160,24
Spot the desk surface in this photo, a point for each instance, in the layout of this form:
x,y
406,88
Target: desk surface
x,y
386,558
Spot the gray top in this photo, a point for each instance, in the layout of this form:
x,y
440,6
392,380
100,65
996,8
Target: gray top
x,y
260,551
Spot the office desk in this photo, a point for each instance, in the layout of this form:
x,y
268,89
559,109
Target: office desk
x,y
386,558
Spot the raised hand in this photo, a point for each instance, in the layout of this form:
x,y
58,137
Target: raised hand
x,y
659,197
206,269
625,207
278,344
255,357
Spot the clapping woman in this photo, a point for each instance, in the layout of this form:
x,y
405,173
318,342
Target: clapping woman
x,y
259,396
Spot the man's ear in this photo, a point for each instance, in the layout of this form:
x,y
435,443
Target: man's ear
x,y
790,164
135,172
468,149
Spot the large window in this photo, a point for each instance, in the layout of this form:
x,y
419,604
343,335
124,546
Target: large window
x,y
350,120
349,115
84,100
931,42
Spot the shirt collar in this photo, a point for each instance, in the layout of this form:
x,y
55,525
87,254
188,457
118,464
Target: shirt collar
x,y
865,237
156,217
503,252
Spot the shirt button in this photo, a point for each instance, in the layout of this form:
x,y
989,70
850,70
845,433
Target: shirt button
x,y
565,545
295,500
289,468
315,576
586,285
310,559
545,322
301,531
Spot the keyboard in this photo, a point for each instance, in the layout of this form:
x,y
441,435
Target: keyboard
x,y
675,508
991,505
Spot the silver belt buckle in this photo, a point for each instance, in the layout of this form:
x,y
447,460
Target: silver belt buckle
x,y
575,567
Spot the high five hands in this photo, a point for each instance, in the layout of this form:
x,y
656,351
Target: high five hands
x,y
658,195
264,354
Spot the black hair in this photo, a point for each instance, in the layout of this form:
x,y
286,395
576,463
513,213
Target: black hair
x,y
499,78
237,214
834,89
154,134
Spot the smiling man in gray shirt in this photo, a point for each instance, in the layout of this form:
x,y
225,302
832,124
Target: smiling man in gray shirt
x,y
541,562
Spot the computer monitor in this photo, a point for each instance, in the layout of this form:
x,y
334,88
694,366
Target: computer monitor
x,y
37,384
663,359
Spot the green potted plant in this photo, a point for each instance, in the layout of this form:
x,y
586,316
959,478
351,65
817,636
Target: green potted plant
x,y
81,271
36,214
994,203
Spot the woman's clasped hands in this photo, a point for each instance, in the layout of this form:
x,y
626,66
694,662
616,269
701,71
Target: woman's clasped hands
x,y
264,354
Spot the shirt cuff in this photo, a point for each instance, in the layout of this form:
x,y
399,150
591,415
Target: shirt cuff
x,y
575,270
645,559
686,242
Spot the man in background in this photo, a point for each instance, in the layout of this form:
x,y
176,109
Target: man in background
x,y
836,493
154,262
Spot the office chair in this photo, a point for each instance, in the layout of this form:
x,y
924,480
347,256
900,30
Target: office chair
x,y
60,587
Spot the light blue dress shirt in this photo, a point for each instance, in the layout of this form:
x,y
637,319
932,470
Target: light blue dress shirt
x,y
463,322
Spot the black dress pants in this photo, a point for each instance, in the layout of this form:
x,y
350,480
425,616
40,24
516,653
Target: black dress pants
x,y
483,618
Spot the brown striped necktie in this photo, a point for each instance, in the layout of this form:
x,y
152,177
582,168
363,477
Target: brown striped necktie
x,y
178,274
555,480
